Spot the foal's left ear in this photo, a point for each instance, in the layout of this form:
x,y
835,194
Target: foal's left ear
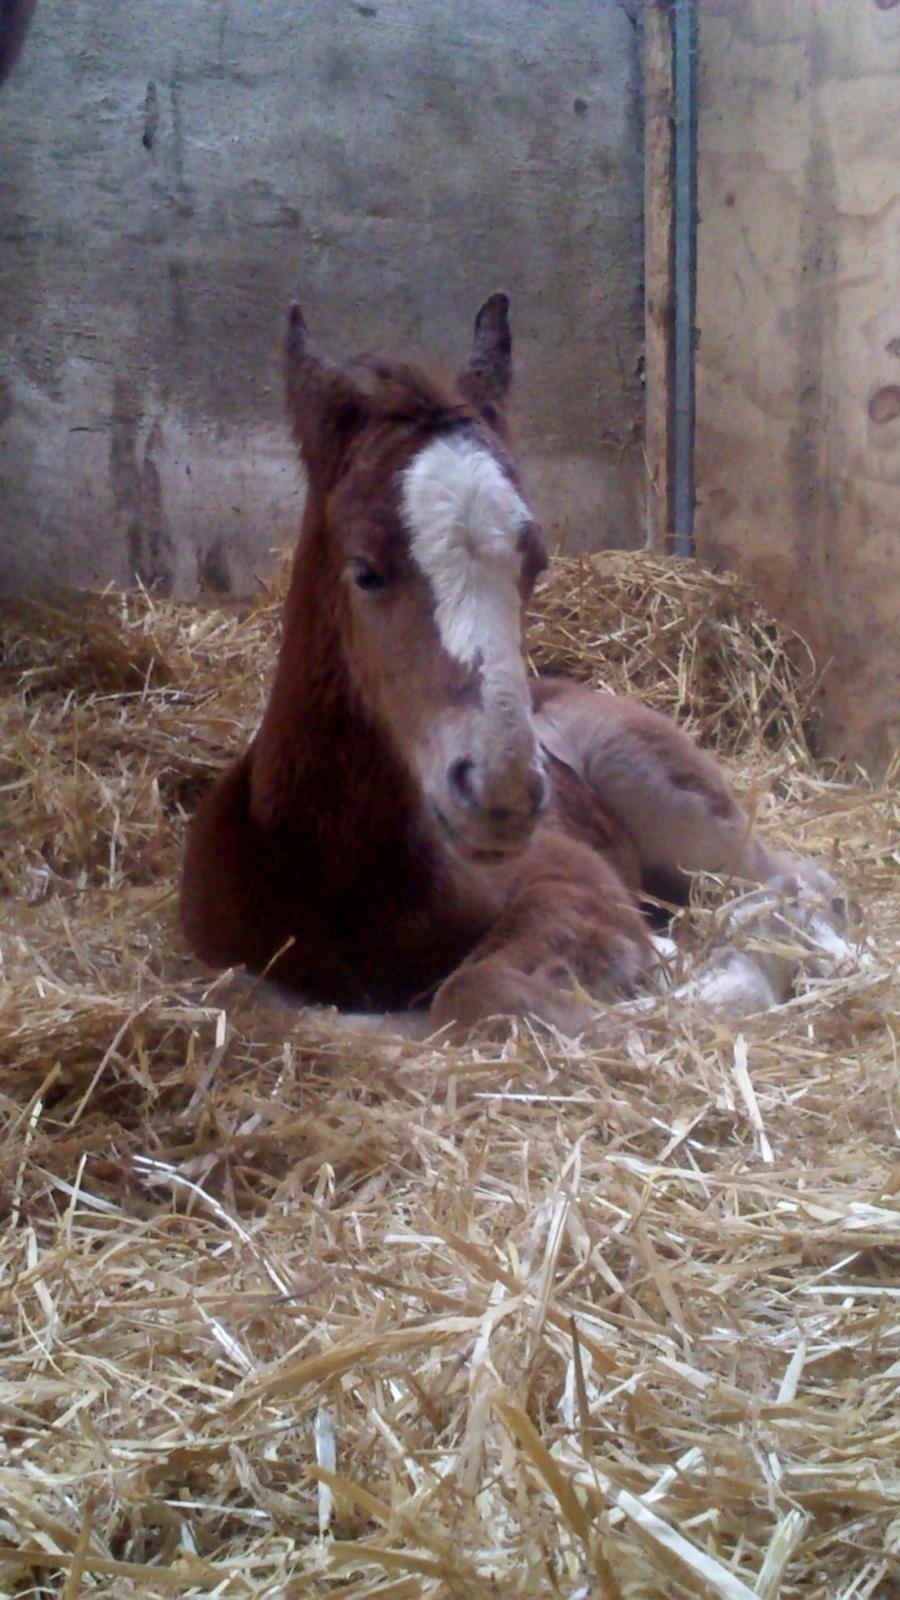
x,y
486,378
325,406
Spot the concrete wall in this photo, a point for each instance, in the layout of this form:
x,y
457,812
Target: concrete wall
x,y
172,171
798,376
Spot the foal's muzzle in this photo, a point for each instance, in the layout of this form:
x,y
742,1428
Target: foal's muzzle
x,y
489,817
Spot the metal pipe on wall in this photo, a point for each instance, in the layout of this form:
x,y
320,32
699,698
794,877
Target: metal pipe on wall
x,y
684,49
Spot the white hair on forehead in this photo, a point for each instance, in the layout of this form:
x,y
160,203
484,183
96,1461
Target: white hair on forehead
x,y
464,517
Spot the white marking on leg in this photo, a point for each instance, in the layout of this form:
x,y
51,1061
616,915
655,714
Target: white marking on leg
x,y
787,936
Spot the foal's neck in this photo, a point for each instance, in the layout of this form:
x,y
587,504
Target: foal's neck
x,y
322,768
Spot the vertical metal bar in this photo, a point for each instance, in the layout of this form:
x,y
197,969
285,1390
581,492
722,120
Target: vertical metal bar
x,y
685,250
659,268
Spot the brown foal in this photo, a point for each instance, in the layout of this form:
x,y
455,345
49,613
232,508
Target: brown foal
x,y
417,822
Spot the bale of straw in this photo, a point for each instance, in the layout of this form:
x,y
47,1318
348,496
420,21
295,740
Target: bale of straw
x,y
289,1310
694,644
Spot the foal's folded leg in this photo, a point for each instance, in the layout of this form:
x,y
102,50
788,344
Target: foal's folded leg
x,y
770,939
569,936
684,819
672,796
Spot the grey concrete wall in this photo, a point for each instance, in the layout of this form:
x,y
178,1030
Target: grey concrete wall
x,y
172,171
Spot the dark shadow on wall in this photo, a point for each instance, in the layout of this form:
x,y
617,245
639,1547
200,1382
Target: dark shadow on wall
x,y
15,16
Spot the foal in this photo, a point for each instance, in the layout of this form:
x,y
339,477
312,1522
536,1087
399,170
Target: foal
x,y
417,822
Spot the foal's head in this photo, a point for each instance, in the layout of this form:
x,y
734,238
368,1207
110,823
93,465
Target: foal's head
x,y
423,550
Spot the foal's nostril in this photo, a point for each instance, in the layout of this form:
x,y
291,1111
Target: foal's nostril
x,y
460,774
463,784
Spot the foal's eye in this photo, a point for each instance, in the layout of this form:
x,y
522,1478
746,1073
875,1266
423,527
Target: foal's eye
x,y
366,577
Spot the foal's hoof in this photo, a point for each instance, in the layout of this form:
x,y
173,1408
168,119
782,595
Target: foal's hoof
x,y
795,925
807,884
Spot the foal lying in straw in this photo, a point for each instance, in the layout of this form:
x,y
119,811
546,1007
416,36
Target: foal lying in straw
x,y
419,824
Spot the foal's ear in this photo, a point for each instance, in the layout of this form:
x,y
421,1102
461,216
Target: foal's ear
x,y
324,406
486,378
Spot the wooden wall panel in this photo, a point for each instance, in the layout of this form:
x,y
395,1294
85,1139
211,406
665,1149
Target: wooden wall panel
x,y
798,364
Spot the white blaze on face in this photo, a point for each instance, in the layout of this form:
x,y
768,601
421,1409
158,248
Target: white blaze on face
x,y
464,518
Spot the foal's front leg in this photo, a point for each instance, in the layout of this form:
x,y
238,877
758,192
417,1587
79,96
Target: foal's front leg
x,y
569,934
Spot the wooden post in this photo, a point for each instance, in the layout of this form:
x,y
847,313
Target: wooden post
x,y
659,272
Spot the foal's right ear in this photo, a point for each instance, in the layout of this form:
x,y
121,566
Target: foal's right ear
x,y
486,378
324,406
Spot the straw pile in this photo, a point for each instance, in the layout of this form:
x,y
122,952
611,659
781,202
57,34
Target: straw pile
x,y
289,1311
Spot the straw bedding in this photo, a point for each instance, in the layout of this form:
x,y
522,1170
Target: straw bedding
x,y
285,1310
